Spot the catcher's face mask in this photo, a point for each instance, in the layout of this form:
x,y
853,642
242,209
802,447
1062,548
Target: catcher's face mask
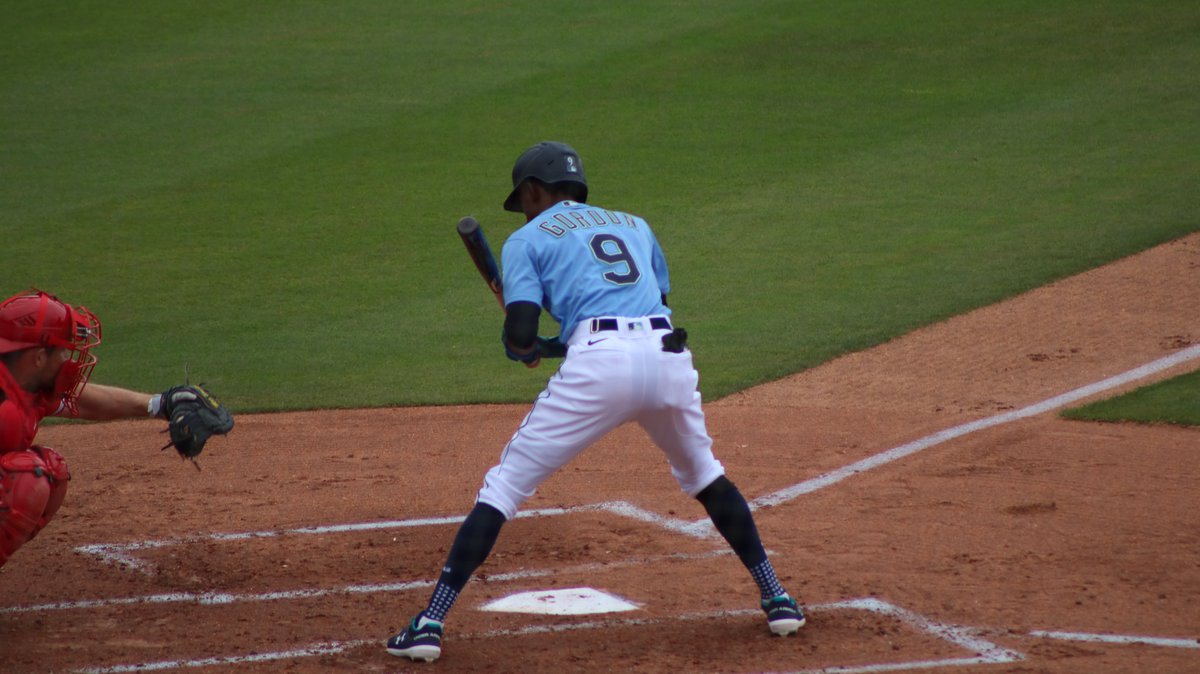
x,y
39,319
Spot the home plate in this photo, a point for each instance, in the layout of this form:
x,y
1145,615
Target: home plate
x,y
569,601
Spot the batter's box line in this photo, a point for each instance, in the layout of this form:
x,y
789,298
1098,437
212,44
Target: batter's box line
x,y
1048,405
985,652
225,598
125,554
1123,639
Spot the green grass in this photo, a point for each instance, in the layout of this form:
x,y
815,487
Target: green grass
x,y
265,192
1173,401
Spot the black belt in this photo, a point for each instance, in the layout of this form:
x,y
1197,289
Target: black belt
x,y
611,324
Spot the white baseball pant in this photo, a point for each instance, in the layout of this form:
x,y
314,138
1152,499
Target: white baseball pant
x,y
609,377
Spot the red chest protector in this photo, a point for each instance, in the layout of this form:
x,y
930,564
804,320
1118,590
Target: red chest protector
x,y
33,480
18,418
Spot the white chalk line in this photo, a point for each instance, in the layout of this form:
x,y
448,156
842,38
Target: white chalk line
x,y
985,651
221,598
323,648
124,554
1118,639
896,453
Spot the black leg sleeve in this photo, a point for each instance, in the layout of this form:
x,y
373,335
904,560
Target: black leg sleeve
x,y
472,545
731,516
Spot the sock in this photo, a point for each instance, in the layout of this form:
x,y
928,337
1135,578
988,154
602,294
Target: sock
x,y
440,603
472,545
731,516
768,584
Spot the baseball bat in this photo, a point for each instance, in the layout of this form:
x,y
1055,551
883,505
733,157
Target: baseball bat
x,y
481,254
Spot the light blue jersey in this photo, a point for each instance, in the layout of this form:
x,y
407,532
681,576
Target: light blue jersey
x,y
579,262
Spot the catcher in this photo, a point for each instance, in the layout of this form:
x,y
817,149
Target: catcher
x,y
45,363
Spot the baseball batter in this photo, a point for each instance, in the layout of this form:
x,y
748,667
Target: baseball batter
x,y
602,275
45,364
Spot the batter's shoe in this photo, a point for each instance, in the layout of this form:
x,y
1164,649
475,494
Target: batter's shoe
x,y
421,640
784,617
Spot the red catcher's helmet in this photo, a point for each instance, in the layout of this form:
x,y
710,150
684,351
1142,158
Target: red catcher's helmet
x,y
38,319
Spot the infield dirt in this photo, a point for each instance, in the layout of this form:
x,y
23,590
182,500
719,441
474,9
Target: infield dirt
x,y
1039,524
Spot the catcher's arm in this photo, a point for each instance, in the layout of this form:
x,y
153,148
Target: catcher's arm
x,y
98,402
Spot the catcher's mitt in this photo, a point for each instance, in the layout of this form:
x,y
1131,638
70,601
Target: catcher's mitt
x,y
193,415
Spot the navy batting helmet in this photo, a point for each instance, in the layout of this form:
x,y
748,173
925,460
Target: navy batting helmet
x,y
550,162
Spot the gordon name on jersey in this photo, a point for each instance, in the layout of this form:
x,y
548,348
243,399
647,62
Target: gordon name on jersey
x,y
566,221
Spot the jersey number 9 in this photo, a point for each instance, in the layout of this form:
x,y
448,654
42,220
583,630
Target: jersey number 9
x,y
612,251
